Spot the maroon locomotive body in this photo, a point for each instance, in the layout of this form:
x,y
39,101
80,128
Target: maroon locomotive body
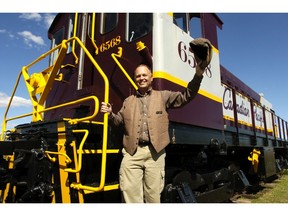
x,y
222,142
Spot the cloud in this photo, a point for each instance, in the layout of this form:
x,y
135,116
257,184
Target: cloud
x,y
31,16
46,18
17,101
10,35
31,39
5,32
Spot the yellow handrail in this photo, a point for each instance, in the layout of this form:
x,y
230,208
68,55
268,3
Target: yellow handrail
x,y
75,35
37,112
105,120
53,159
41,101
119,55
78,165
75,121
71,121
93,33
79,186
42,83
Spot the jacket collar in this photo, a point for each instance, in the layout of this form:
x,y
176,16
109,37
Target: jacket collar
x,y
148,92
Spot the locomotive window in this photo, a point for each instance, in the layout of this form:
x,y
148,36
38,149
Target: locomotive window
x,y
70,30
57,39
108,22
139,24
180,19
195,26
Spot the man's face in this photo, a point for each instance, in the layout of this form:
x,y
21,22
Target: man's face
x,y
143,78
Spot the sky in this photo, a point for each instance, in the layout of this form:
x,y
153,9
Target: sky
x,y
253,46
23,38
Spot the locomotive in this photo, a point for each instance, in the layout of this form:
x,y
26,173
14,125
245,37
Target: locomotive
x,y
225,140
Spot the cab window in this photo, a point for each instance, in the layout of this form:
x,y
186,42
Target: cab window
x,y
70,32
139,24
180,19
108,22
195,25
189,23
57,39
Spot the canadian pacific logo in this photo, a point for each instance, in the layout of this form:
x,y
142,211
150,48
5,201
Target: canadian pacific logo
x,y
243,106
228,103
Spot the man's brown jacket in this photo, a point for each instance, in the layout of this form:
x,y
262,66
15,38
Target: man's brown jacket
x,y
158,121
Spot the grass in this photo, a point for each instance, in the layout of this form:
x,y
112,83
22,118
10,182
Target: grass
x,y
276,192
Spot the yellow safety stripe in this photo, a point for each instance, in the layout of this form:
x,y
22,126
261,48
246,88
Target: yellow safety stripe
x,y
164,75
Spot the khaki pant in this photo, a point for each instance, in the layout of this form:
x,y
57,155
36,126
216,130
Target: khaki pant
x,y
142,175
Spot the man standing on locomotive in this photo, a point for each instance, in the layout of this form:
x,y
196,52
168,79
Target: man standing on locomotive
x,y
146,122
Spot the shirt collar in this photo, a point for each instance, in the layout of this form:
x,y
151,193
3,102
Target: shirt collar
x,y
148,92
